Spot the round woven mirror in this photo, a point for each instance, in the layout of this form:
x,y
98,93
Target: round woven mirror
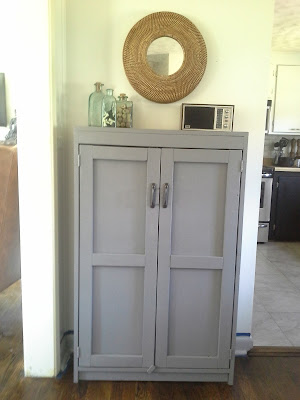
x,y
164,87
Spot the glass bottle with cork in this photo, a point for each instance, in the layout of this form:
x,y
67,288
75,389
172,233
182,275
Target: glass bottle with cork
x,y
109,109
95,106
124,112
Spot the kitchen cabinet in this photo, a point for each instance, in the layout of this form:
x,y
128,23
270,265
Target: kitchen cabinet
x,y
286,116
157,239
285,209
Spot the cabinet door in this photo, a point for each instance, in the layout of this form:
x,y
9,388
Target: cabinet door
x,y
197,256
287,208
118,256
287,100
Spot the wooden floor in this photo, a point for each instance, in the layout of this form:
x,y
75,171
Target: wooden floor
x,y
256,378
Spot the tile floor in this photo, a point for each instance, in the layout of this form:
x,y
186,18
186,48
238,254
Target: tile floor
x,y
276,312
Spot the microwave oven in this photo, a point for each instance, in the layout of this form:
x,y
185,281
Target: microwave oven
x,y
207,117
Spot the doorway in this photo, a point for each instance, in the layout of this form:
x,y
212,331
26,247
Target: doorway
x,y
276,310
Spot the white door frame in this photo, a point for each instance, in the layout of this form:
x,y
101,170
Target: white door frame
x,y
37,192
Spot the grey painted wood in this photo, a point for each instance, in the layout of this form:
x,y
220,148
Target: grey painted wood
x,y
194,312
119,260
120,360
159,376
196,262
160,138
176,371
117,318
238,260
164,253
119,206
76,259
200,188
229,253
118,233
167,139
151,234
85,254
194,305
200,156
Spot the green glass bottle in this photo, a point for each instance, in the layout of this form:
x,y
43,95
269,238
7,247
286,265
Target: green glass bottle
x,y
95,105
124,112
109,109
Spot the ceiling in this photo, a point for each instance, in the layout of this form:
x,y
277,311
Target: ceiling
x,y
286,28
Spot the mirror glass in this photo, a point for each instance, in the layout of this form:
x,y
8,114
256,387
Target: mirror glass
x,y
165,56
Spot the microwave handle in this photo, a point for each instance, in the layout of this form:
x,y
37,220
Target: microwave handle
x,y
267,127
262,194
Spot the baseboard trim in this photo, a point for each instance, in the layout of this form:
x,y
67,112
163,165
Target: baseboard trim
x,y
274,351
243,345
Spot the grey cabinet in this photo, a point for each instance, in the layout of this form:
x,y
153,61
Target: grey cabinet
x,y
156,232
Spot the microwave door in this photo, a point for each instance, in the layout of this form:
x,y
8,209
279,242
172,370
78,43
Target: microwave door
x,y
207,115
196,117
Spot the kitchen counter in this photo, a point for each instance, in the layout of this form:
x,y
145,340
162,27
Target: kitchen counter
x,y
268,162
286,169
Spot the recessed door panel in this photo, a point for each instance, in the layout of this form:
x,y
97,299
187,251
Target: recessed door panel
x,y
199,194
118,294
119,206
194,312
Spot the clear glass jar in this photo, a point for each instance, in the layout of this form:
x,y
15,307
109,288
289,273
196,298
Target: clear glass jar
x,y
95,106
124,112
109,109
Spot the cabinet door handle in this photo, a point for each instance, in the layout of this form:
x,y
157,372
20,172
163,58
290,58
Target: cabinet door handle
x,y
153,195
166,195
262,225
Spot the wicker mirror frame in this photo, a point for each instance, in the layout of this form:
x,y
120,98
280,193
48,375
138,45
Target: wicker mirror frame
x,y
158,88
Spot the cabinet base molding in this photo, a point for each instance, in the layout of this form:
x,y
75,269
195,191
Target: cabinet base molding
x,y
159,376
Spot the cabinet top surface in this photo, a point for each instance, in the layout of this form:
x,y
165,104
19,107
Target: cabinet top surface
x,y
116,131
159,138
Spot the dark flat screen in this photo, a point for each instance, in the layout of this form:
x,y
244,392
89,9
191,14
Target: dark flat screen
x,y
199,117
3,121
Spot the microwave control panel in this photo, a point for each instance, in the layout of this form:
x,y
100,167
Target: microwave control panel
x,y
207,117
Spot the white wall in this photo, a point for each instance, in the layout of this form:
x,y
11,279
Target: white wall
x,y
58,114
36,186
284,58
238,38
